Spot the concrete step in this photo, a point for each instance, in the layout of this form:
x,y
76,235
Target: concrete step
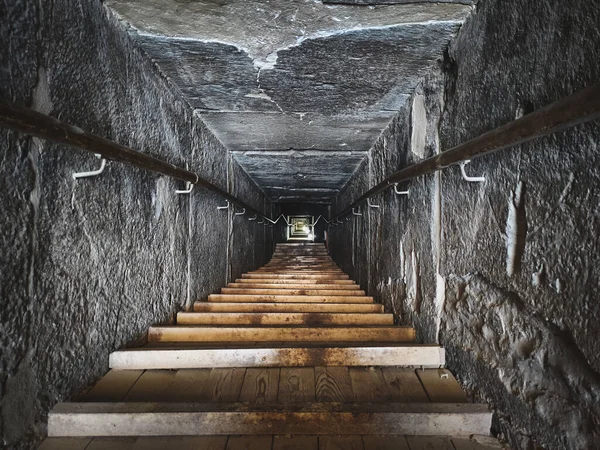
x,y
187,419
281,355
280,334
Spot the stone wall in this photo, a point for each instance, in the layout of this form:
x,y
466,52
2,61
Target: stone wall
x,y
88,265
503,273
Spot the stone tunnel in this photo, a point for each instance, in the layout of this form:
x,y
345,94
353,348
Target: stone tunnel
x,y
304,116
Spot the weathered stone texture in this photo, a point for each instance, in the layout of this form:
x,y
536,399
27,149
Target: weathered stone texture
x,y
505,272
88,265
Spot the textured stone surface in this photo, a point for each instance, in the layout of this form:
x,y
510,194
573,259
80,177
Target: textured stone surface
x,y
297,75
88,265
503,273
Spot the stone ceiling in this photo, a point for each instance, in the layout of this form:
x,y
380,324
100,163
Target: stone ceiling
x,y
297,90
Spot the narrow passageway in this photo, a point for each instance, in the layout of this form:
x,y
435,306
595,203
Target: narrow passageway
x,y
292,355
357,224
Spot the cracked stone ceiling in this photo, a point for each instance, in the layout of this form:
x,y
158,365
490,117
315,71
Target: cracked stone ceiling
x,y
297,90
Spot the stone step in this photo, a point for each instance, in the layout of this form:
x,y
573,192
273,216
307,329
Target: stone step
x,y
288,307
280,334
261,319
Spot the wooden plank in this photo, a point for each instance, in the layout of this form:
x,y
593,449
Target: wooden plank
x,y
295,442
181,443
292,281
289,292
340,443
333,384
441,386
478,443
152,386
429,443
223,385
54,443
344,287
296,385
112,443
293,276
404,385
281,334
185,419
289,307
385,442
368,385
250,442
290,298
113,386
256,319
187,385
260,385
410,355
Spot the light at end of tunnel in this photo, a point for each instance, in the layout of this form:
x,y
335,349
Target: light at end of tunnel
x,y
311,236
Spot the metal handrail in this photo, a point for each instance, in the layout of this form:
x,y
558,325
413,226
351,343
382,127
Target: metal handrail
x,y
581,107
40,125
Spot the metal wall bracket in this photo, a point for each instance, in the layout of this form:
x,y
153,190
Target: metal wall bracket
x,y
253,218
92,173
467,177
224,207
189,186
240,213
400,192
356,213
371,205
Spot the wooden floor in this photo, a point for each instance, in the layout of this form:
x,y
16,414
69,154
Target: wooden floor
x,y
299,358
275,442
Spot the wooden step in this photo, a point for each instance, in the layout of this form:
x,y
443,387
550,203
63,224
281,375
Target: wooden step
x,y
335,287
293,281
288,307
289,298
187,419
258,319
292,276
280,334
326,292
280,356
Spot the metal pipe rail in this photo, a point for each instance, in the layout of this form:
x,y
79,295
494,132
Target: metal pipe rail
x,y
581,107
40,125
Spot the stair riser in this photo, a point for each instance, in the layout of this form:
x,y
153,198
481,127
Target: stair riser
x,y
258,319
405,356
316,334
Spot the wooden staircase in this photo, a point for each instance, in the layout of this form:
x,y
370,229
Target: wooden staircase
x,y
290,356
